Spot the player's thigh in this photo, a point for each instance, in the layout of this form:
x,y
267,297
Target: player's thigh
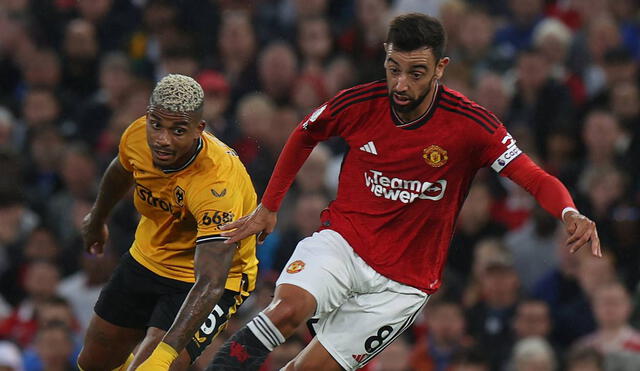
x,y
363,326
217,320
313,357
323,266
107,346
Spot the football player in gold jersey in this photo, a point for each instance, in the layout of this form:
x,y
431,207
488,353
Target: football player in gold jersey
x,y
175,289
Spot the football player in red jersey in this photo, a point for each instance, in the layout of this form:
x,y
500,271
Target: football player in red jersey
x,y
415,146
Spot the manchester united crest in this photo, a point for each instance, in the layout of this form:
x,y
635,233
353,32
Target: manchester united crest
x,y
295,267
435,156
179,195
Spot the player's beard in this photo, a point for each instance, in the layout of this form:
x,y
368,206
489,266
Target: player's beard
x,y
415,103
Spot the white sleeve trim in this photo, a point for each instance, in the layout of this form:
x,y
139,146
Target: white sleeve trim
x,y
566,210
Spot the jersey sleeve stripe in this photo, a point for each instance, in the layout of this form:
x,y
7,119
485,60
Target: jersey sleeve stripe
x,y
209,238
491,118
350,103
458,111
475,110
356,94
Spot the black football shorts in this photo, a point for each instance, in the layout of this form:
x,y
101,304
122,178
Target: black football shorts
x,y
136,297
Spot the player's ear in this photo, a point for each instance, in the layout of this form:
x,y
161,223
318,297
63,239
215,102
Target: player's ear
x,y
201,125
441,66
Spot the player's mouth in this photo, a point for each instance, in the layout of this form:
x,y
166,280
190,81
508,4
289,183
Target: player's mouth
x,y
163,155
401,100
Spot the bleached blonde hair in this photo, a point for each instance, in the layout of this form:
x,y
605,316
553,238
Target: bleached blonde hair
x,y
177,93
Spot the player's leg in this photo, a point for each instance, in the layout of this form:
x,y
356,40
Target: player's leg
x,y
313,357
107,346
381,316
318,278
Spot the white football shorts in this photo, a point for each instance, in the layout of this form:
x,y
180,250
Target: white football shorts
x,y
359,312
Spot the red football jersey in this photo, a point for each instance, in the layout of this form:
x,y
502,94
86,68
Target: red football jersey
x,y
402,184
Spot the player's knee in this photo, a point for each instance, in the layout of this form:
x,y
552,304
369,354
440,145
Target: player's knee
x,y
286,313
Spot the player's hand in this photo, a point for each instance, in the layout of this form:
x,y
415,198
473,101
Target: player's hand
x,y
161,358
94,235
582,231
261,221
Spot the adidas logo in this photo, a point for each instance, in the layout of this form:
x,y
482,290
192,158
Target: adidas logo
x,y
370,148
359,357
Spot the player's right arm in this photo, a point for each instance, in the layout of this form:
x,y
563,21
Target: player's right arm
x,y
115,183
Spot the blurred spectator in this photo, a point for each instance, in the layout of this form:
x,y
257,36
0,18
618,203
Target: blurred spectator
x,y
363,40
10,357
489,321
17,222
612,309
540,103
304,221
115,83
255,115
474,223
7,130
315,44
532,319
237,50
446,335
516,35
533,354
55,348
80,57
486,252
472,359
491,92
533,247
82,288
216,103
395,357
277,69
585,359
40,284
554,40
78,171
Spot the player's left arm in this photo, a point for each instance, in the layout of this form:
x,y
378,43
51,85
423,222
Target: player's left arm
x,y
554,197
212,262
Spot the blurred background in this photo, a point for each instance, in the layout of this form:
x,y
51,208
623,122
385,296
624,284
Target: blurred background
x,y
561,74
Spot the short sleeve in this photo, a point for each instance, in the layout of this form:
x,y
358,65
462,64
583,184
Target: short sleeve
x,y
498,149
212,206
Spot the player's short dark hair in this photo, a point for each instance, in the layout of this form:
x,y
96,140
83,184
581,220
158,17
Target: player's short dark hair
x,y
412,31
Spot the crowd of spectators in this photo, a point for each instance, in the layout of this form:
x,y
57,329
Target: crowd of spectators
x,y
563,75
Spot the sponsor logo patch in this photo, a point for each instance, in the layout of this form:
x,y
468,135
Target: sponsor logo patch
x,y
435,156
295,267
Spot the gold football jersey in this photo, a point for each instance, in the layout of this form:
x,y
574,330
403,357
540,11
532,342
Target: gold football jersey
x,y
185,206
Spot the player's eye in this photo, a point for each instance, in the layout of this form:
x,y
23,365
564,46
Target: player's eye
x,y
417,75
155,125
394,70
178,131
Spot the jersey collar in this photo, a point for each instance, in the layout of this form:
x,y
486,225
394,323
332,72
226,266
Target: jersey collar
x,y
198,149
416,123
